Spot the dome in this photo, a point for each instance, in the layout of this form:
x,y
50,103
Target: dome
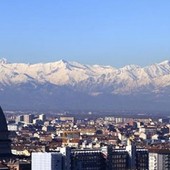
x,y
5,143
3,124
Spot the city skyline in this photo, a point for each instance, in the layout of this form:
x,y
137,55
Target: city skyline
x,y
90,32
84,85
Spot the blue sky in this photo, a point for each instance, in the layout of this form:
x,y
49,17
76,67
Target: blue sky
x,y
111,32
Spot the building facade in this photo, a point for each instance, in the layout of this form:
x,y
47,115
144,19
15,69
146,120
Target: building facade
x,y
87,159
159,159
46,161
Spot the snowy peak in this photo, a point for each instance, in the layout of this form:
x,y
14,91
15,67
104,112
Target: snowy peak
x,y
131,67
157,70
93,78
3,61
164,63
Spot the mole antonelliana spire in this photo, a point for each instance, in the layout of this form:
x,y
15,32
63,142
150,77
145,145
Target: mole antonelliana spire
x,y
5,143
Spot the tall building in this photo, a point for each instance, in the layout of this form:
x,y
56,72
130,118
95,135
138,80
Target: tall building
x,y
66,152
159,159
131,149
42,117
138,159
19,118
46,161
117,159
105,158
87,159
129,158
142,159
28,118
5,143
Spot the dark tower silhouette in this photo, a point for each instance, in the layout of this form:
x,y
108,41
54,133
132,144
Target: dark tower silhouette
x,y
5,143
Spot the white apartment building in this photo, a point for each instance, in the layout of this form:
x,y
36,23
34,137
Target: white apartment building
x,y
159,161
46,161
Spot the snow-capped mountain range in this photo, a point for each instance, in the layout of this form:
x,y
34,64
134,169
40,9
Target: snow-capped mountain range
x,y
49,79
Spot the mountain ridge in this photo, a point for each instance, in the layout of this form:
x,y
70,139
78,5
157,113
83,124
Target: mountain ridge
x,y
72,79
